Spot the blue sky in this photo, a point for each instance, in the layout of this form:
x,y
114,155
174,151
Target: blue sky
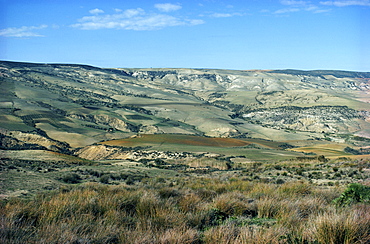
x,y
229,34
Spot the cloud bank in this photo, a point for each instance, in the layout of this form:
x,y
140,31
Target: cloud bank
x,y
135,19
296,6
96,11
346,3
167,7
24,31
224,15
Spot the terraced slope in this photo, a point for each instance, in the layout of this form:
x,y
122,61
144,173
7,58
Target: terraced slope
x,y
61,107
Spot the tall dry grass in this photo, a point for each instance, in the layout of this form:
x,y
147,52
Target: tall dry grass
x,y
202,210
348,226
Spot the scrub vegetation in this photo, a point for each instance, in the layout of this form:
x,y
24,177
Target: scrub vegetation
x,y
260,203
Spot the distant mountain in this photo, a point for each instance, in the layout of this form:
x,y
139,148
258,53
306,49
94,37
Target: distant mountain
x,y
322,73
61,107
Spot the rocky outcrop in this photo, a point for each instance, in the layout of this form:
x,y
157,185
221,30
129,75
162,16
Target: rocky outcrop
x,y
150,129
21,140
224,132
252,80
321,119
103,152
100,152
103,119
10,143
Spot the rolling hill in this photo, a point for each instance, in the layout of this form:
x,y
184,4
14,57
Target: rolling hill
x,y
69,108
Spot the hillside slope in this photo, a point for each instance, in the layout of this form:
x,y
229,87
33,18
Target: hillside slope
x,y
61,107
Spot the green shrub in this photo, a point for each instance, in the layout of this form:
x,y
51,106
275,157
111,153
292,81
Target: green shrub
x,y
105,179
322,159
71,178
353,194
130,180
168,192
299,171
277,167
279,181
213,217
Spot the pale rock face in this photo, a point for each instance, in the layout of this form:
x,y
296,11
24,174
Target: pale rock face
x,y
32,138
150,129
113,122
319,119
98,152
311,124
102,152
224,132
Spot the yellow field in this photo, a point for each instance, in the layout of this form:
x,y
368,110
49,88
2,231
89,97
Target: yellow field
x,y
328,150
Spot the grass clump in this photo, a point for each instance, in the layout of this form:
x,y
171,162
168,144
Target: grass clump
x,y
243,212
347,227
217,207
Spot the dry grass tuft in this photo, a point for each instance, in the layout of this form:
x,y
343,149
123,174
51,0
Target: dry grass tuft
x,y
342,226
199,210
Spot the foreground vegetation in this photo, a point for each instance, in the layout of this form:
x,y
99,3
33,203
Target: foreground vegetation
x,y
213,207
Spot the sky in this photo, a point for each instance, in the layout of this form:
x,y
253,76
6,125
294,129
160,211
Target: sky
x,y
215,34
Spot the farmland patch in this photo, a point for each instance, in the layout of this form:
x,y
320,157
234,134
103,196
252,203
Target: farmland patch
x,y
180,139
137,117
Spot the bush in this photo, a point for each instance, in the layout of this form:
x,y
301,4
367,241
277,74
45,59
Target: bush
x,y
279,181
105,179
353,194
322,159
71,178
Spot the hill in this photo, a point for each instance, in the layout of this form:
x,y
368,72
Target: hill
x,y
65,107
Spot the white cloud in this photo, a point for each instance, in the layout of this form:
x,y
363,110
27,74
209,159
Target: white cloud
x,y
287,10
292,2
132,19
24,31
196,21
220,15
167,7
96,11
320,11
265,11
346,3
297,6
224,15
